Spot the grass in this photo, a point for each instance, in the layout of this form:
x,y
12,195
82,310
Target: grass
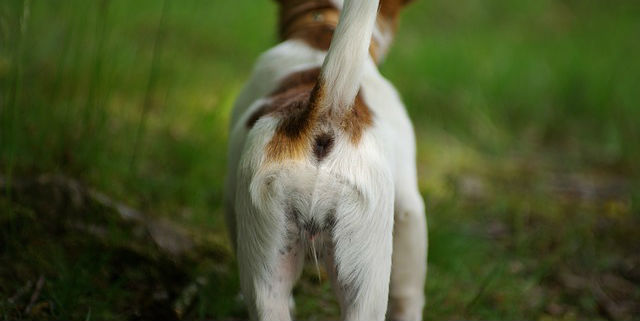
x,y
528,123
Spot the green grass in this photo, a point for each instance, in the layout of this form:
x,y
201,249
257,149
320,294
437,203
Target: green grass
x,y
528,123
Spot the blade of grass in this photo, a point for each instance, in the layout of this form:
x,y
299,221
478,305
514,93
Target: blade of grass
x,y
94,105
151,85
9,112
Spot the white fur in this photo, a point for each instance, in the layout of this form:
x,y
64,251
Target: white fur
x,y
342,68
366,187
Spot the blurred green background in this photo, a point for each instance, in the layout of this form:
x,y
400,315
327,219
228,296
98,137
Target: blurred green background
x,y
113,128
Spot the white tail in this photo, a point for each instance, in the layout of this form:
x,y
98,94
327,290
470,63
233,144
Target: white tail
x,y
344,64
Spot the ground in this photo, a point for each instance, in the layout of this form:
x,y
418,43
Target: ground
x,y
113,128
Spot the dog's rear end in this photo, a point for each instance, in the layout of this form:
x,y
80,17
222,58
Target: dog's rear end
x,y
311,169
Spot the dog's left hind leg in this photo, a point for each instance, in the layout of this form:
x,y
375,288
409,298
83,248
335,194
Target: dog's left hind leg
x,y
268,289
270,258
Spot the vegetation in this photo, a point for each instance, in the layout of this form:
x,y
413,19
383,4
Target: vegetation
x,y
528,122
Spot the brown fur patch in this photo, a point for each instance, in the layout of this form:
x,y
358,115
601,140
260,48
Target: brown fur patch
x,y
391,8
357,120
305,77
388,13
318,37
286,99
311,21
292,137
294,103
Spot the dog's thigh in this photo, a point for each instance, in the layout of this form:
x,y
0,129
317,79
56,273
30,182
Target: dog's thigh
x,y
409,267
270,258
359,263
268,290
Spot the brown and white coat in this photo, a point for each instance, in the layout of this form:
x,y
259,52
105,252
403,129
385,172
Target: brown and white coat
x,y
322,156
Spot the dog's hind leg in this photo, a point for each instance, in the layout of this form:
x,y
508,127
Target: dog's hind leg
x,y
268,289
270,258
408,271
359,261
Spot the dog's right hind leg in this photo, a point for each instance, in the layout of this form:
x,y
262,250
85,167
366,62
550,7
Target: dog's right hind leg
x,y
409,268
358,261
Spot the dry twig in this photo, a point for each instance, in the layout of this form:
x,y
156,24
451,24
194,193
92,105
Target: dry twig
x,y
35,295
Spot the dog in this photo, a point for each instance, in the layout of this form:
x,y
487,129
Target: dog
x,y
322,160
